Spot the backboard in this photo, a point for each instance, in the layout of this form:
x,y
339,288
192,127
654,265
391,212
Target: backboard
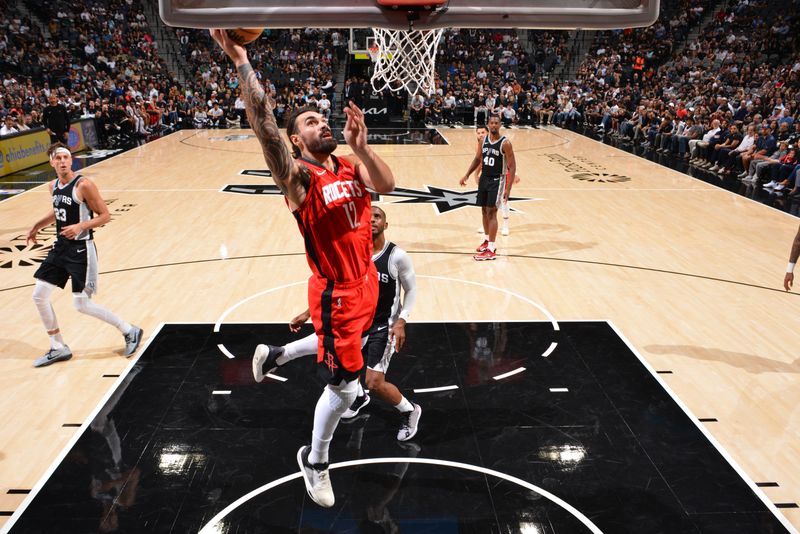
x,y
544,14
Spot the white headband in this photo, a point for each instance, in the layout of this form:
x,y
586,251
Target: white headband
x,y
60,150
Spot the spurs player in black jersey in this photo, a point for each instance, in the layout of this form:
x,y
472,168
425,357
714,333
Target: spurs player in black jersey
x,y
480,133
77,209
386,336
495,155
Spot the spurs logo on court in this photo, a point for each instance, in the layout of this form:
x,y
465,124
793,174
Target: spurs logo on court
x,y
330,361
13,255
600,177
240,137
443,200
17,253
586,170
98,154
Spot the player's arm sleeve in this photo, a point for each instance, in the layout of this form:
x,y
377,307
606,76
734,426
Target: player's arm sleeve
x,y
408,280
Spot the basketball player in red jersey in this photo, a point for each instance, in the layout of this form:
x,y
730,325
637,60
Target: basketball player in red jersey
x,y
329,199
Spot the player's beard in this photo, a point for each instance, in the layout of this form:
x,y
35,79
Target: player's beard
x,y
322,145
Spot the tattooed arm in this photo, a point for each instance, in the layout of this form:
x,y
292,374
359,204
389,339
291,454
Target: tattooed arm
x,y
290,177
793,256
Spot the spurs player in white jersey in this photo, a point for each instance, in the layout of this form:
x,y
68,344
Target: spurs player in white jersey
x,y
386,336
75,201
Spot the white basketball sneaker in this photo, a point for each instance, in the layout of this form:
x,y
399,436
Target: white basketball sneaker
x,y
317,479
410,424
264,360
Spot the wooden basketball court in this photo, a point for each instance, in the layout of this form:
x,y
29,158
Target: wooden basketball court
x,y
689,273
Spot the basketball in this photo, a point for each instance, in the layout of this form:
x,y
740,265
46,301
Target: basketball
x,y
245,36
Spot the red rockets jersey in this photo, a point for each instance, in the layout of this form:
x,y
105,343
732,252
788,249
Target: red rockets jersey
x,y
335,222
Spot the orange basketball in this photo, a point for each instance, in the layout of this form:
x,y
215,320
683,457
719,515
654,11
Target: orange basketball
x,y
245,36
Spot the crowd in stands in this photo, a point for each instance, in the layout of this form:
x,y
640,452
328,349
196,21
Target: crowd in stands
x,y
97,59
296,67
488,71
725,101
519,87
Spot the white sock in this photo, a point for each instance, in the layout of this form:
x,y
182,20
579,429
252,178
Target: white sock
x,y
404,406
361,391
296,349
84,304
331,405
491,246
56,342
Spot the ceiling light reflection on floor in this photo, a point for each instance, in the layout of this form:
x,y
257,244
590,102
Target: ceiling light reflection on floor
x,y
530,528
568,455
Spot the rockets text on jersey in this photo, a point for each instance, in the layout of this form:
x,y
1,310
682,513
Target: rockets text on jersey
x,y
335,221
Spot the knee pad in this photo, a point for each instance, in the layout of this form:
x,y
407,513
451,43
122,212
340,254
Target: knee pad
x,y
81,302
341,397
41,292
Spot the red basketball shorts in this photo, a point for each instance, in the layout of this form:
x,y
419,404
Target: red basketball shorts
x,y
342,313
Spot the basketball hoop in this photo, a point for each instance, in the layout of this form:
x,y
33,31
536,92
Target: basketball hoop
x,y
405,59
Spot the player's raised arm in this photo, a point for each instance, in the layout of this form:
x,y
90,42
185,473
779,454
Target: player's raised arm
x,y
371,168
291,178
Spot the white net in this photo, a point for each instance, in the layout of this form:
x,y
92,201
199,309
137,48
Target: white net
x,y
405,59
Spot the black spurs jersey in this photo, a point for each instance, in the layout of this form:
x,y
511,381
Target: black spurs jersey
x,y
68,209
492,157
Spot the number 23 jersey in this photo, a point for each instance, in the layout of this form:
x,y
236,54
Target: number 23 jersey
x,y
335,222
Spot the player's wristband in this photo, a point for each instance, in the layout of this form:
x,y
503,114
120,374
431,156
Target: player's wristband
x,y
790,267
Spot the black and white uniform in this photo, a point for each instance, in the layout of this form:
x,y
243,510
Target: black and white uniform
x,y
394,271
70,258
492,183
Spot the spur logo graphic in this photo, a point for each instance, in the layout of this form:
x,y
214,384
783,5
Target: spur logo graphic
x,y
16,252
585,170
16,255
443,200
